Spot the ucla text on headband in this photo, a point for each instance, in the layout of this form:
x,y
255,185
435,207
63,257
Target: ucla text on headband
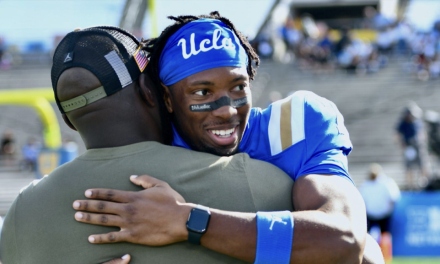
x,y
200,45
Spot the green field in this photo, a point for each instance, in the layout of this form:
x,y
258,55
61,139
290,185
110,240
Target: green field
x,y
400,260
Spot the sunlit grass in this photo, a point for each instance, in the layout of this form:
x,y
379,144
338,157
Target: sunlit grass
x,y
400,260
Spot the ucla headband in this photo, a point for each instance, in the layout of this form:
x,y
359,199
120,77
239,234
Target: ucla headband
x,y
200,45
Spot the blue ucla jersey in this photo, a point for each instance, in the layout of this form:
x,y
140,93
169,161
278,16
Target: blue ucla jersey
x,y
301,134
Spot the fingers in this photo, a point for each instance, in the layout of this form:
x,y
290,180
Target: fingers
x,y
113,237
110,195
99,206
99,219
124,260
147,181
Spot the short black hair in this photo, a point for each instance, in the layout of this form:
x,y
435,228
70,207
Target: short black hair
x,y
155,46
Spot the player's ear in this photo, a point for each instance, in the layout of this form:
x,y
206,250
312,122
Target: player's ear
x,y
167,98
145,90
68,123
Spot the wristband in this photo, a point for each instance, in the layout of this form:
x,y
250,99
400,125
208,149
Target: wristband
x,y
274,237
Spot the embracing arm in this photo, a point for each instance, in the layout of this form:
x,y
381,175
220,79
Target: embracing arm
x,y
329,224
330,220
329,228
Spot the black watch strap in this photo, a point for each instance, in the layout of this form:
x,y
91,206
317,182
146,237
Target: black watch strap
x,y
194,238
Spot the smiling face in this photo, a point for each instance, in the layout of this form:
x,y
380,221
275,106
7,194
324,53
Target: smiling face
x,y
219,131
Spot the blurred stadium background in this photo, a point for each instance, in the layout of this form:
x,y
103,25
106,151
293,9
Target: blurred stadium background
x,y
372,58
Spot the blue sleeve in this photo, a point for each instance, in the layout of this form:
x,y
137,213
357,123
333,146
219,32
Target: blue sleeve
x,y
327,142
301,134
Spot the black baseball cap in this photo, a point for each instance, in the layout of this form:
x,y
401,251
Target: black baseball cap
x,y
112,54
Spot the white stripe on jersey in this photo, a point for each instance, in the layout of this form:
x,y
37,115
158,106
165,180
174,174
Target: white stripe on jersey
x,y
274,128
297,122
295,126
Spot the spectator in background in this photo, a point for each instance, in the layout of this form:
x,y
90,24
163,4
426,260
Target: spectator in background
x,y
263,45
380,194
386,40
7,147
413,141
344,41
323,49
425,47
30,153
403,34
434,67
345,51
353,54
265,49
375,19
292,36
429,49
326,43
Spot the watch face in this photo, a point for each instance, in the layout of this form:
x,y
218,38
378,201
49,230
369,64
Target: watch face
x,y
198,221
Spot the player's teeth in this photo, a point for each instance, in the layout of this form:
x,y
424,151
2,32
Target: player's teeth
x,y
223,133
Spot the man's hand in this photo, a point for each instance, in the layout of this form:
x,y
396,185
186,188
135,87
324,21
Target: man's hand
x,y
155,216
124,260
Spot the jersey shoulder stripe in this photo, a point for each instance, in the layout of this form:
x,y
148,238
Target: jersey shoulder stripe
x,y
286,123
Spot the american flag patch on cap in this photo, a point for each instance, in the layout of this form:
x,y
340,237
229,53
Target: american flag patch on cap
x,y
141,59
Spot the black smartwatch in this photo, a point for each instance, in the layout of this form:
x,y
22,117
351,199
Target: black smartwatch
x,y
197,223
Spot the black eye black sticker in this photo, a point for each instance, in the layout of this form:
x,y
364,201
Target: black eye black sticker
x,y
222,101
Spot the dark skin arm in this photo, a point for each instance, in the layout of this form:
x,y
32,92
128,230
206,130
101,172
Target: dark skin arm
x,y
328,207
